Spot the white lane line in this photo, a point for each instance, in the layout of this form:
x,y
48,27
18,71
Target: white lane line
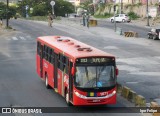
x,y
128,68
22,38
132,82
14,38
29,37
110,47
146,73
138,61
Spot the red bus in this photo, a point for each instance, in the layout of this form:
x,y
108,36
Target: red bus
x,y
82,74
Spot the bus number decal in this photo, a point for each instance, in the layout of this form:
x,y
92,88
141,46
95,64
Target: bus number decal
x,y
84,60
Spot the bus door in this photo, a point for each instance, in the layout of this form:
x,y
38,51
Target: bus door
x,y
41,61
70,82
55,70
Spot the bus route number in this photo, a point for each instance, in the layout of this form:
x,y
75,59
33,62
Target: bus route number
x,y
84,60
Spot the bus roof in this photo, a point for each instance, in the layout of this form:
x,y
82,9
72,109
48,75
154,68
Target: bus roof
x,y
72,47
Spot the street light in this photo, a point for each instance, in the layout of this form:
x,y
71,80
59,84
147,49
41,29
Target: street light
x,y
147,15
52,3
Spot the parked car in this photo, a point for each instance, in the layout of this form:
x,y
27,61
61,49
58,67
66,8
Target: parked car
x,y
154,34
120,18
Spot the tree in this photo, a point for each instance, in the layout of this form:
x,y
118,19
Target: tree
x,y
87,5
2,10
11,11
42,7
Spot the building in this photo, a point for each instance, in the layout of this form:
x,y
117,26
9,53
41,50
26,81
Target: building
x,y
134,1
76,2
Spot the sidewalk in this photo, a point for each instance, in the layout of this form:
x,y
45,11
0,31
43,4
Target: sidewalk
x,y
76,27
138,22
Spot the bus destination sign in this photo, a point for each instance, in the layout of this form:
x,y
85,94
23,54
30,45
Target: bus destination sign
x,y
94,60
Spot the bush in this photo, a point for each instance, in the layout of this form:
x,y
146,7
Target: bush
x,y
133,15
38,18
106,15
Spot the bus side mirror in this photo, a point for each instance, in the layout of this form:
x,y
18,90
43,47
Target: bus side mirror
x,y
117,71
73,71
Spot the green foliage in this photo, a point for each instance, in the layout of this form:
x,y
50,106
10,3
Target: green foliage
x,y
41,18
43,7
38,18
12,11
39,10
106,15
133,16
3,11
87,5
139,4
58,18
9,27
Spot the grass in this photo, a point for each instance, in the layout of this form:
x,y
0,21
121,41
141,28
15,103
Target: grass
x,y
102,16
38,18
41,18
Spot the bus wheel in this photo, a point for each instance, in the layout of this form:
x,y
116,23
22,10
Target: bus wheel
x,y
46,82
67,99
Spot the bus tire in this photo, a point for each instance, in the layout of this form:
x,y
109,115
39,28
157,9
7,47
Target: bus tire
x,y
123,21
67,99
46,82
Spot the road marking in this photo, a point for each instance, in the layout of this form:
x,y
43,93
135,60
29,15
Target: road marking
x,y
158,57
22,38
146,73
110,47
138,61
14,38
132,82
128,68
29,37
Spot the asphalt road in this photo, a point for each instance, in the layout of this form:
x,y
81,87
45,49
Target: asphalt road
x,y
141,30
19,84
137,58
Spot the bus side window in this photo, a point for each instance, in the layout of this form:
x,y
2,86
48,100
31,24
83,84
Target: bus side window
x,y
60,62
38,48
65,64
52,56
44,51
70,66
47,52
49,55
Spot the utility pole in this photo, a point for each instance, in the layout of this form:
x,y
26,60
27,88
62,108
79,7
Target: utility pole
x,y
147,15
7,20
121,6
115,16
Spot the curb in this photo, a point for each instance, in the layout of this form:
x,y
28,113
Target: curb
x,y
138,100
155,105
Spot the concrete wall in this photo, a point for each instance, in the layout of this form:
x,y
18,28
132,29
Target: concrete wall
x,y
135,1
109,9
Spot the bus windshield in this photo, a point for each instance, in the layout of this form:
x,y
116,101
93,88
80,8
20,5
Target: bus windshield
x,y
95,76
